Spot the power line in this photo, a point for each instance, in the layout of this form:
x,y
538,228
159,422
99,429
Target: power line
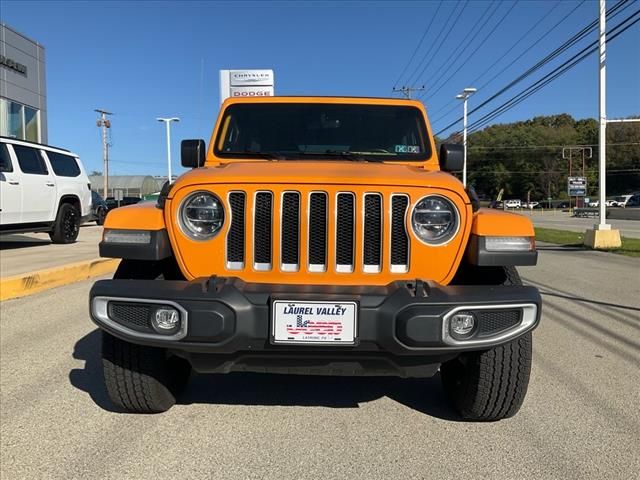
x,y
406,67
569,43
410,80
442,41
490,68
464,62
452,58
613,172
533,147
551,76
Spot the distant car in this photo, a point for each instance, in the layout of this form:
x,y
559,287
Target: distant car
x,y
532,205
512,203
113,203
621,201
496,204
607,203
99,208
633,202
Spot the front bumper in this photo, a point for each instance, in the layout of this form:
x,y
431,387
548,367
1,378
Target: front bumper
x,y
227,316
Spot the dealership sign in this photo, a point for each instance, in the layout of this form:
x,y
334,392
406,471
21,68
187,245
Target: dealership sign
x,y
246,84
577,186
13,65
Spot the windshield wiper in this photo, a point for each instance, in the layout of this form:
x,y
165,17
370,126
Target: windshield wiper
x,y
342,154
265,155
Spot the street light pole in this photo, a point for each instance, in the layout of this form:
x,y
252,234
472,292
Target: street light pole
x,y
464,96
602,140
167,122
602,236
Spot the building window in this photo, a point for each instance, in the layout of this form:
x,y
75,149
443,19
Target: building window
x,y
19,121
31,124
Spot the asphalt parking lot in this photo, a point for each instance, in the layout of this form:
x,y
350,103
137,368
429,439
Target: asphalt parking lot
x,y
580,419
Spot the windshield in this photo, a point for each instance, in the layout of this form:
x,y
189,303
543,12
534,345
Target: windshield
x,y
323,131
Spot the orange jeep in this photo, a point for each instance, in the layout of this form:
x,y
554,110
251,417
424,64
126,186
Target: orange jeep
x,y
318,236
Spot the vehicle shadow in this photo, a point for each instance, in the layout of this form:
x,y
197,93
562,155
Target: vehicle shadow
x,y
424,395
562,248
11,242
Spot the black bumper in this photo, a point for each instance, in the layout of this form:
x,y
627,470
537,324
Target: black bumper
x,y
228,316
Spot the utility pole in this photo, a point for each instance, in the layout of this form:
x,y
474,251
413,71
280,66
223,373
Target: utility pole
x,y
406,91
602,235
104,123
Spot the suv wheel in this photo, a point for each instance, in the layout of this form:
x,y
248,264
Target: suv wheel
x,y
101,215
67,225
490,385
141,379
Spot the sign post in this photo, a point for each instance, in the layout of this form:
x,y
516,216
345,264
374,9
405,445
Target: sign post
x,y
117,196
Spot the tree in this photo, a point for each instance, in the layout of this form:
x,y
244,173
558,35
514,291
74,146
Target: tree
x,y
527,156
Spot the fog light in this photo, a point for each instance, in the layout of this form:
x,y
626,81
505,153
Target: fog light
x,y
166,320
462,324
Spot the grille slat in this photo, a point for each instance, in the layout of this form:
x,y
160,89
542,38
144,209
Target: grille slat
x,y
290,239
236,235
262,234
318,232
399,238
369,225
372,242
345,232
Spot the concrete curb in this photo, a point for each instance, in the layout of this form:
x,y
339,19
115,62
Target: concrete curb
x,y
33,282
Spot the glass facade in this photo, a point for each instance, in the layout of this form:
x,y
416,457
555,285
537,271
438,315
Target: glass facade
x,y
19,121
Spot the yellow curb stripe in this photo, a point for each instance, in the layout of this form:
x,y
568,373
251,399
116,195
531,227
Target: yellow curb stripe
x,y
33,282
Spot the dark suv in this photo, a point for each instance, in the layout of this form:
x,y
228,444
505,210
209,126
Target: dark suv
x,y
99,208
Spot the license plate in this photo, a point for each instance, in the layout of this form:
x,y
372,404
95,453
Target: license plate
x,y
320,323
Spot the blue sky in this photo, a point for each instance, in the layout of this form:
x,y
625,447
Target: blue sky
x,y
146,59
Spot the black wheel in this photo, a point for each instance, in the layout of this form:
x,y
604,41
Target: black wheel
x,y
67,225
101,214
141,379
490,385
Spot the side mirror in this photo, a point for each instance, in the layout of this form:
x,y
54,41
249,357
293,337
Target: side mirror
x,y
451,157
192,153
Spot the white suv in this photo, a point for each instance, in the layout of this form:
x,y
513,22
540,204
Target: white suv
x,y
42,189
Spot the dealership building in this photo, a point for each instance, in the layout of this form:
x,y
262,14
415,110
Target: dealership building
x,y
23,98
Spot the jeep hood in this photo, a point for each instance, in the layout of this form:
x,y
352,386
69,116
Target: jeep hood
x,y
320,173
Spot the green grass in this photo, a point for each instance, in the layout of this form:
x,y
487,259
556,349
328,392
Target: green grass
x,y
630,246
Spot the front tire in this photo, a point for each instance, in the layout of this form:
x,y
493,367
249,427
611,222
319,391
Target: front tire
x,y
490,385
102,214
141,379
67,225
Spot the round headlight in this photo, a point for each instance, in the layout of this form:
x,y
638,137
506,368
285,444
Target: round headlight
x,y
434,220
201,215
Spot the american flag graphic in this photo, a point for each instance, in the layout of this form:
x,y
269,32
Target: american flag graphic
x,y
311,327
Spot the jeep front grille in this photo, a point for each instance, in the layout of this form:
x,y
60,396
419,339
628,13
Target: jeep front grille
x,y
318,231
